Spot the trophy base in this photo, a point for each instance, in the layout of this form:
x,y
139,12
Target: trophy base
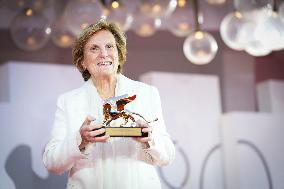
x,y
124,132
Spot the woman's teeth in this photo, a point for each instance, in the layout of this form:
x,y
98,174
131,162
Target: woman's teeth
x,y
106,63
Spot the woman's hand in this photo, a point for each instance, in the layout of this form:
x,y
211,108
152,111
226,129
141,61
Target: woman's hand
x,y
89,133
147,129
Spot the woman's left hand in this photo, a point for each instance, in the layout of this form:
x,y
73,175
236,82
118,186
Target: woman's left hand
x,y
147,129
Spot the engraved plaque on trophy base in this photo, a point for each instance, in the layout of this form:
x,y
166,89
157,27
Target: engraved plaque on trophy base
x,y
125,132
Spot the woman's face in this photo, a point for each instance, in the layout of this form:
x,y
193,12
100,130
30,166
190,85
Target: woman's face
x,y
101,54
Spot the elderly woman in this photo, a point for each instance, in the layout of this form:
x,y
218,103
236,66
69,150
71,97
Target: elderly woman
x,y
104,162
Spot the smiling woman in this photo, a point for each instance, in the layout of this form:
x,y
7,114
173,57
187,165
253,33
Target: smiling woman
x,y
79,144
101,55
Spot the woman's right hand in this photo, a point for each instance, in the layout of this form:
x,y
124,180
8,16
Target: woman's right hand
x,y
89,132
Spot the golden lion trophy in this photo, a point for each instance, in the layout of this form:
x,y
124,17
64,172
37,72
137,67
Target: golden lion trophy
x,y
114,109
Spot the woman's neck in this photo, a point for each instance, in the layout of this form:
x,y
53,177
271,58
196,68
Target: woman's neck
x,y
105,86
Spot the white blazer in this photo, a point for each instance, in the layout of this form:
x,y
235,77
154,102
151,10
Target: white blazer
x,y
119,163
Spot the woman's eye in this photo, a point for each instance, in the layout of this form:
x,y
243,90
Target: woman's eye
x,y
109,46
94,48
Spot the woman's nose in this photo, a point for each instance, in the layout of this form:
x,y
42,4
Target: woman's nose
x,y
104,52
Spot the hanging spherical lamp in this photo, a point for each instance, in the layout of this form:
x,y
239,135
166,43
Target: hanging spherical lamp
x,y
199,47
30,30
79,14
142,25
270,32
249,5
18,5
216,2
61,36
252,45
181,21
230,29
157,8
281,11
118,13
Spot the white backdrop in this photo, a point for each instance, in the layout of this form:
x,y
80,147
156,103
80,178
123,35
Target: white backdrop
x,y
247,145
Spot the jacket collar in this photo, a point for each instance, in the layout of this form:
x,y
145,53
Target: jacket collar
x,y
122,86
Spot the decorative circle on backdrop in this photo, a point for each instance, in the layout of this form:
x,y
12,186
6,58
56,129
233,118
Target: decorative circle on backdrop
x,y
262,159
186,163
240,142
204,164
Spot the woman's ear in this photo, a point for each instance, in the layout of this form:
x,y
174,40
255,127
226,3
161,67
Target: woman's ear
x,y
83,65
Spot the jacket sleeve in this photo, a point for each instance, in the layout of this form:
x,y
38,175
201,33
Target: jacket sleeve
x,y
161,150
62,150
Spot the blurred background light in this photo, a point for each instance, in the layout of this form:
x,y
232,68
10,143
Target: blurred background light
x,y
181,21
249,5
157,8
30,30
61,36
118,12
200,47
216,2
81,13
230,29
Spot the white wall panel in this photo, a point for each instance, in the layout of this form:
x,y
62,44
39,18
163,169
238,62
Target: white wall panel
x,y
27,105
253,150
191,106
270,96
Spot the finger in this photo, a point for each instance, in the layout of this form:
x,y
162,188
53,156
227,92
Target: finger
x,y
88,120
100,139
97,132
141,123
147,129
143,139
93,126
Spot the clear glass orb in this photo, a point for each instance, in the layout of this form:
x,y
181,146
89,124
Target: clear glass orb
x,y
255,48
200,47
61,36
181,22
157,8
30,30
230,29
281,11
249,5
19,5
117,12
79,14
216,2
252,46
270,32
143,26
247,34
